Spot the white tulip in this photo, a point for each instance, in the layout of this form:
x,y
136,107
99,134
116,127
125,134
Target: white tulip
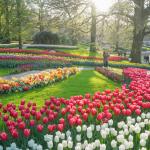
x,y
50,144
1,147
138,119
126,132
142,142
120,125
97,143
89,129
143,148
107,130
98,127
60,146
39,147
130,144
34,146
126,144
137,130
120,138
13,146
8,148
146,121
113,144
31,143
148,115
78,148
62,136
143,115
102,147
64,143
103,134
58,133
92,127
69,138
78,128
89,135
130,138
142,124
110,122
84,127
122,147
70,144
56,139
78,137
133,120
68,133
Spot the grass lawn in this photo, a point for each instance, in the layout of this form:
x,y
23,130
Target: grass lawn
x,y
83,82
5,71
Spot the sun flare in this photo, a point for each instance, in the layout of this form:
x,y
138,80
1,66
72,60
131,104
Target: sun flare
x,y
103,5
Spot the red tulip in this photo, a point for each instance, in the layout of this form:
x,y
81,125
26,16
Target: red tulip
x,y
15,133
39,128
60,127
45,120
94,111
21,125
3,136
32,123
26,132
85,116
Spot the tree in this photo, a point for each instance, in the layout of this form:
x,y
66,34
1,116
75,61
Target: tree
x,y
93,28
140,18
19,20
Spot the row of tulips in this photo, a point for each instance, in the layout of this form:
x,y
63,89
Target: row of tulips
x,y
133,133
35,80
110,74
60,54
27,126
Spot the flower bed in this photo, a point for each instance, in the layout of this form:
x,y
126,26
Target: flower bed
x,y
108,73
36,80
59,54
83,122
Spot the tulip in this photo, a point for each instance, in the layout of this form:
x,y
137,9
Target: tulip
x,y
39,128
3,136
26,132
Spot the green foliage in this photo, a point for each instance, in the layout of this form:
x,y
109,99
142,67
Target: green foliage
x,y
45,37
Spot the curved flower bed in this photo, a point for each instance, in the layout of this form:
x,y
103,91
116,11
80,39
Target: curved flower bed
x,y
36,80
107,120
60,54
108,73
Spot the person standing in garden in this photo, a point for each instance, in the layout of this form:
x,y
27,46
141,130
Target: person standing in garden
x,y
105,58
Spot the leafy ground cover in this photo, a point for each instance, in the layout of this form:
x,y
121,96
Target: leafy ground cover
x,y
83,82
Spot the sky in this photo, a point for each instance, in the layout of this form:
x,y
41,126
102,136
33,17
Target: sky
x,y
104,5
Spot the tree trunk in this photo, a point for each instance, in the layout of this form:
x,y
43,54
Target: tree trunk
x,y
93,28
7,30
18,2
138,33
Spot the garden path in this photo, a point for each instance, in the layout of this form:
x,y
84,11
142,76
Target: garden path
x,y
20,75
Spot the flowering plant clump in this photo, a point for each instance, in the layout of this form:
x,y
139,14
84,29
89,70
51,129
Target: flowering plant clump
x,y
36,80
118,119
110,74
